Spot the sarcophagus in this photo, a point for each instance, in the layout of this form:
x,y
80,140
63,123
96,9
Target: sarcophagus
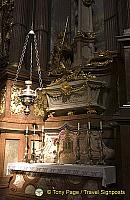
x,y
76,96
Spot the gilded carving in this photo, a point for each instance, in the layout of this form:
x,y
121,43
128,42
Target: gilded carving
x,y
66,88
40,104
87,3
61,57
102,58
61,60
85,35
2,100
16,106
77,74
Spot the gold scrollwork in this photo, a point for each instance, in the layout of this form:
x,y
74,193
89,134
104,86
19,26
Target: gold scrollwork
x,y
77,74
86,35
40,105
102,58
16,106
2,100
66,88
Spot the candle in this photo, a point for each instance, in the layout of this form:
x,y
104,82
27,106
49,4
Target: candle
x,y
42,129
89,125
78,126
101,125
26,139
42,134
34,129
26,130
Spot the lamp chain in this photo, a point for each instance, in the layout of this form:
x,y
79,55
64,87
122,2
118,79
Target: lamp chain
x,y
21,58
31,65
31,62
38,62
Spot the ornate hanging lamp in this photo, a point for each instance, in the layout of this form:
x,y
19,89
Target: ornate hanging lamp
x,y
28,95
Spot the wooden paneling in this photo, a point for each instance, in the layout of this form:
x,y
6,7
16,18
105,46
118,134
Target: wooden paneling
x,y
11,153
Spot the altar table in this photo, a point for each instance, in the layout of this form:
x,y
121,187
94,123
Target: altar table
x,y
55,181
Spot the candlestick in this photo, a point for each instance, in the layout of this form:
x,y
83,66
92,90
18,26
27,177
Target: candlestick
x,y
42,134
78,126
34,129
43,129
78,146
89,136
89,125
101,158
26,147
101,125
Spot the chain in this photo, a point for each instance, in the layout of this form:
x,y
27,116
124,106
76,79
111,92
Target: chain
x,y
21,59
31,65
38,62
31,62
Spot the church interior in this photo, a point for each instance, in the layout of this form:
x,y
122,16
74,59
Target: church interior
x,y
64,99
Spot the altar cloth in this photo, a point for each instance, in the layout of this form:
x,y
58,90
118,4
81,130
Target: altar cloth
x,y
107,173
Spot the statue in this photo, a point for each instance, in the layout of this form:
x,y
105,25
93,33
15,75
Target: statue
x,y
61,57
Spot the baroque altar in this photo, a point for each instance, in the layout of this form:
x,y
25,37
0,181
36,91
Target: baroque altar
x,y
73,152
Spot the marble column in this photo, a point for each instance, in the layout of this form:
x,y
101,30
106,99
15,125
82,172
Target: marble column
x,y
42,31
21,15
87,26
84,42
125,41
85,17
